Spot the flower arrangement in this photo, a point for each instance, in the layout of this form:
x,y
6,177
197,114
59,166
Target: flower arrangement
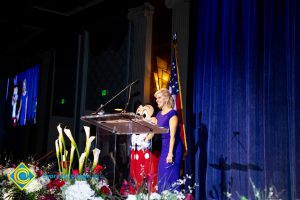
x,y
144,192
72,181
76,177
87,181
34,190
270,193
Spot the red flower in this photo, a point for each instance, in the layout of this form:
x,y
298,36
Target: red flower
x,y
132,189
105,190
59,183
39,173
50,185
75,172
98,169
56,183
189,197
124,188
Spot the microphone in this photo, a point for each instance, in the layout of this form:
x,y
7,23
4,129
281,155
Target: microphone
x,y
134,82
128,86
129,93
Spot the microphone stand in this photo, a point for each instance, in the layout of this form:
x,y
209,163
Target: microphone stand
x,y
124,111
103,105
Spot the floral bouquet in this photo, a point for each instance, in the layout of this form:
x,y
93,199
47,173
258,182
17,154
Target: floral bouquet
x,y
77,178
129,190
70,182
86,181
34,189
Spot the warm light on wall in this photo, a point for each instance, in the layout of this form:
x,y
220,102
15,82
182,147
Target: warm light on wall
x,y
162,76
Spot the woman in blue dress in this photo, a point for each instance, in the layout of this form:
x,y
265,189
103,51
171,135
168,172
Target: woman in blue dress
x,y
23,105
172,146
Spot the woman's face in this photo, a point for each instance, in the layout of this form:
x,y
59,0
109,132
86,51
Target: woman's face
x,y
160,100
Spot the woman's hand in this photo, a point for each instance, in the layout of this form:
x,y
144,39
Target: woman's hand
x,y
153,120
169,158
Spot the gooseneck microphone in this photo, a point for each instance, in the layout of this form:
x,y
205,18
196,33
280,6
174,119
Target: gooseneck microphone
x,y
134,82
103,105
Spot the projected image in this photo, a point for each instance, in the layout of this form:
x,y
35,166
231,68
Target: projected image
x,y
22,93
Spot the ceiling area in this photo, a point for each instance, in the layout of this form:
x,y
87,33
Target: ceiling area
x,y
25,23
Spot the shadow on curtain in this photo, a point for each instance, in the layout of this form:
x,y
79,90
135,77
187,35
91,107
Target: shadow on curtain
x,y
246,94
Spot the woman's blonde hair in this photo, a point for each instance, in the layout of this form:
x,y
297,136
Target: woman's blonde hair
x,y
167,95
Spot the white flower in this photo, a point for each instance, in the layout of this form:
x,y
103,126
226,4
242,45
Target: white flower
x,y
87,131
190,189
81,162
31,168
56,147
228,194
137,196
155,196
87,147
96,153
59,129
69,135
99,184
131,197
188,176
61,138
8,171
165,192
60,145
44,180
33,186
80,190
8,195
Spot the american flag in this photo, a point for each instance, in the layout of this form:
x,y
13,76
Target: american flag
x,y
175,90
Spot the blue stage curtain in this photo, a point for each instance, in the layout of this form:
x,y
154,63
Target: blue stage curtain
x,y
246,99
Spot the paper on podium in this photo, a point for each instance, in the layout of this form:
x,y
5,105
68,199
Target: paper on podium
x,y
123,124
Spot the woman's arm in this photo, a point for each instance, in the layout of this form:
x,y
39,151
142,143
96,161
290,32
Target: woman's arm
x,y
173,122
150,135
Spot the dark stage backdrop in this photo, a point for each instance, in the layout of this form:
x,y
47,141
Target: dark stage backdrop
x,y
246,88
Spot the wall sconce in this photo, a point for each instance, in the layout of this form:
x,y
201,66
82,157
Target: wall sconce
x,y
162,76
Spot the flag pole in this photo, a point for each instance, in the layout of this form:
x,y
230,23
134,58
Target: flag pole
x,y
180,93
